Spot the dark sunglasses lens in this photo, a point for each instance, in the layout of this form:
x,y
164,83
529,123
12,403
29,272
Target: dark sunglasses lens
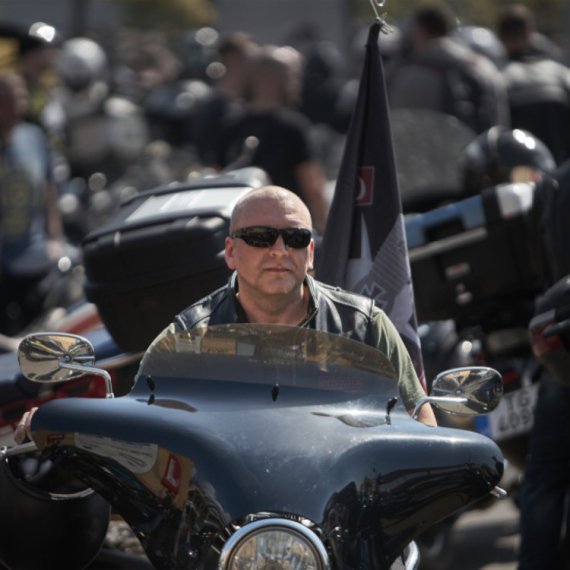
x,y
297,238
260,237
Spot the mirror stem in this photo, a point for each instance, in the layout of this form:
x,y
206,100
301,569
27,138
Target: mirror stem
x,y
435,400
96,372
17,450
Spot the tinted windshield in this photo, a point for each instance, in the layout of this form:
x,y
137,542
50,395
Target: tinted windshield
x,y
270,355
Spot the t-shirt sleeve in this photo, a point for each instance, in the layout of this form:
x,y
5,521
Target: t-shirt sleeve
x,y
387,340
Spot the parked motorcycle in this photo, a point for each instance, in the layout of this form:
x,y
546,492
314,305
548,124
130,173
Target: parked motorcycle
x,y
161,252
474,291
38,291
245,446
19,395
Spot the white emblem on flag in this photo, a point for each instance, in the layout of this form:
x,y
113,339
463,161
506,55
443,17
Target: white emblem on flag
x,y
386,278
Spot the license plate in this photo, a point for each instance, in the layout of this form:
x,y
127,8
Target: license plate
x,y
514,415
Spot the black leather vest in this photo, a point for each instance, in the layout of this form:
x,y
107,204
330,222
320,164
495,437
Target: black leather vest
x,y
331,310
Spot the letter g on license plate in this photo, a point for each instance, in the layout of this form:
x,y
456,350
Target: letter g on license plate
x,y
513,416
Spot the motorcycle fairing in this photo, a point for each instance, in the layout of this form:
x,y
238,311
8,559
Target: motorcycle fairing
x,y
236,420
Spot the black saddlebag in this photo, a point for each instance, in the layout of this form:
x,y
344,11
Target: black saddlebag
x,y
470,259
163,250
550,330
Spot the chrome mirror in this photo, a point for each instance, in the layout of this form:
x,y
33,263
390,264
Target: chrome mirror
x,y
59,357
468,391
53,357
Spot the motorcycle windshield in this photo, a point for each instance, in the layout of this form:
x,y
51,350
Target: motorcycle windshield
x,y
241,361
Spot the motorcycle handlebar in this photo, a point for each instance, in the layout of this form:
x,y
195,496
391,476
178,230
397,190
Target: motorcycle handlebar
x,y
556,328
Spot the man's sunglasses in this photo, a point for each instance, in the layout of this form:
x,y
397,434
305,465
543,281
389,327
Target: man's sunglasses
x,y
262,236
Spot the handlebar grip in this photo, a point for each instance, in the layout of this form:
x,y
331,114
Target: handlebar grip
x,y
556,328
17,450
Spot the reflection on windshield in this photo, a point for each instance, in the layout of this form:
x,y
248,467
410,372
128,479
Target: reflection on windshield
x,y
271,354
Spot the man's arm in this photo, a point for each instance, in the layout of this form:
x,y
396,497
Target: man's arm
x,y
388,340
54,223
426,415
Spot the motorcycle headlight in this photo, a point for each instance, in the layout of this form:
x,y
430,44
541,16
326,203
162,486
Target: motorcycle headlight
x,y
274,544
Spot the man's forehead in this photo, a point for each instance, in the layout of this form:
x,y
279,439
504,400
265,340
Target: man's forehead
x,y
272,210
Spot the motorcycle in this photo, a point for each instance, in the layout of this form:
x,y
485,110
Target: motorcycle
x,y
39,292
241,447
123,291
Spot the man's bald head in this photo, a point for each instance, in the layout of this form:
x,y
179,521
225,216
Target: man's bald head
x,y
250,209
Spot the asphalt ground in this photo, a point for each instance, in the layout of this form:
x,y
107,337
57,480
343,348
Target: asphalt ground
x,y
487,539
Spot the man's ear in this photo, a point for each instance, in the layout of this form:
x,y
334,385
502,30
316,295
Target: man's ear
x,y
230,253
311,255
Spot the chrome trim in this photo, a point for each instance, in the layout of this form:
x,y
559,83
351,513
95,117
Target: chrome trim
x,y
412,556
268,524
435,400
409,559
6,452
499,493
446,244
120,360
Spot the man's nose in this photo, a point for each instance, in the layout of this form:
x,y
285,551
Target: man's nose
x,y
279,246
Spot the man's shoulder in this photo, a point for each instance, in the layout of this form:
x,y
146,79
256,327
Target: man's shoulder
x,y
344,297
449,54
291,118
199,313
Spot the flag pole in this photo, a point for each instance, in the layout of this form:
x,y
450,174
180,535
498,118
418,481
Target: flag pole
x,y
374,3
364,247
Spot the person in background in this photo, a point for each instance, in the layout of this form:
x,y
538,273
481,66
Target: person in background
x,y
271,134
232,74
544,534
31,230
538,87
37,65
443,74
32,52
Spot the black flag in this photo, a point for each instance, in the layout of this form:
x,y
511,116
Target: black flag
x,y
364,246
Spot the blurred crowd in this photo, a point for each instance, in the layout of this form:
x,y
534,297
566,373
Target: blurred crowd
x,y
111,114
86,122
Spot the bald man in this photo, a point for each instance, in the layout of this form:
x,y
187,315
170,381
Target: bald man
x,y
270,249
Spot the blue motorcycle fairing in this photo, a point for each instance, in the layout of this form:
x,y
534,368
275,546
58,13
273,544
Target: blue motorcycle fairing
x,y
189,452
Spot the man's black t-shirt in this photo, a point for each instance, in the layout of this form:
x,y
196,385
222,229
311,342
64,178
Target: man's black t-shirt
x,y
539,97
284,143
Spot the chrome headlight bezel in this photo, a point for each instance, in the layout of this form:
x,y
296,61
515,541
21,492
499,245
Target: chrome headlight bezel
x,y
248,531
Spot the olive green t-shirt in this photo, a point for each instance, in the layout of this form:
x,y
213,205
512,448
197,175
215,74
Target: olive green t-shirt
x,y
387,340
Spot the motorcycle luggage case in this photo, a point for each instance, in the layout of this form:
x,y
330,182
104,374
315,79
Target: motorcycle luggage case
x,y
550,330
163,250
470,259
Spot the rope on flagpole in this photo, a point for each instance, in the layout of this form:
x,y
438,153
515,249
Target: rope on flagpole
x,y
385,28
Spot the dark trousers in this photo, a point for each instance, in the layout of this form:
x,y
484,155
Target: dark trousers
x,y
546,481
20,302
